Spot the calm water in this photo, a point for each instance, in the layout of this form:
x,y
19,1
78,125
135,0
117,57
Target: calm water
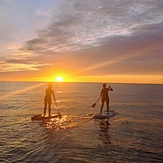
x,y
134,134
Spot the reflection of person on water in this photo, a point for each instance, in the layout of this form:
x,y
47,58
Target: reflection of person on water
x,y
104,125
47,99
104,135
105,97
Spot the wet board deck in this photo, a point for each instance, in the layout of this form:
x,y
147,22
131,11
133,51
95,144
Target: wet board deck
x,y
41,117
104,115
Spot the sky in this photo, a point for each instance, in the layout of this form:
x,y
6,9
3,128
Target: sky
x,y
118,41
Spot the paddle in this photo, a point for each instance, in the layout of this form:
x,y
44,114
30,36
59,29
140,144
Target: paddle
x,y
60,116
93,105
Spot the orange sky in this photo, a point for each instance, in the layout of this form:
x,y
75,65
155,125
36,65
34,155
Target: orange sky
x,y
86,41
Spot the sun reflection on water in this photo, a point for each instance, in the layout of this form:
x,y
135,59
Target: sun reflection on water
x,y
63,123
56,124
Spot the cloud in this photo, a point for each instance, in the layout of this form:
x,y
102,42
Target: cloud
x,y
101,37
13,65
82,24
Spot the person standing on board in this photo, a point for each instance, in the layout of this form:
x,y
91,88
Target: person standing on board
x,y
47,100
105,97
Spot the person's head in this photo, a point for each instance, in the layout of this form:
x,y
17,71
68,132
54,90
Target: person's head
x,y
104,85
50,85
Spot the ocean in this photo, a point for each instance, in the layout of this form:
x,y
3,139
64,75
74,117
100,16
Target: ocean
x,y
134,134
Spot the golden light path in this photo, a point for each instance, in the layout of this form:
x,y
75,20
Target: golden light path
x,y
21,91
107,63
126,78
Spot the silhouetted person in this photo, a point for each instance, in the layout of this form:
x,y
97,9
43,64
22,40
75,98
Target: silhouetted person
x,y
47,99
105,97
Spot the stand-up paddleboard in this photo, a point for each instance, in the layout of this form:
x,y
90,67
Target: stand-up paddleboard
x,y
41,117
104,115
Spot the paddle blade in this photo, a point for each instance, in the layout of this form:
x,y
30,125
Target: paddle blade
x,y
60,116
93,106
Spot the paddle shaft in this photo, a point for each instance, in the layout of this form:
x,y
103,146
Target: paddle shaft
x,y
57,108
96,102
98,99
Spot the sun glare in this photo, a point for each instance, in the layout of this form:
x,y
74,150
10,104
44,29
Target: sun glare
x,y
59,79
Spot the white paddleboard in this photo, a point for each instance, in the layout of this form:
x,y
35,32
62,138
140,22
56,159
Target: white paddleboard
x,y
104,115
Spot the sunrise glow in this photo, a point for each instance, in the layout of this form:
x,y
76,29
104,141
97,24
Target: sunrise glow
x,y
103,48
59,79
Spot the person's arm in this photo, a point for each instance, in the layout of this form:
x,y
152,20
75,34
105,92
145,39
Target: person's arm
x,y
110,88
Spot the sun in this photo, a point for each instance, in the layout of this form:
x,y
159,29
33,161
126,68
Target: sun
x,y
59,79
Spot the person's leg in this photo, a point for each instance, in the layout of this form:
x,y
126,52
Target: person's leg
x,y
102,105
107,104
49,103
45,106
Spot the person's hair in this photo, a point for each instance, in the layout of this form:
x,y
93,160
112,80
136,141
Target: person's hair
x,y
104,85
50,85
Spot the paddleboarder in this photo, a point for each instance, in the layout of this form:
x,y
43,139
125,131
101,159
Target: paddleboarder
x,y
47,100
105,97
